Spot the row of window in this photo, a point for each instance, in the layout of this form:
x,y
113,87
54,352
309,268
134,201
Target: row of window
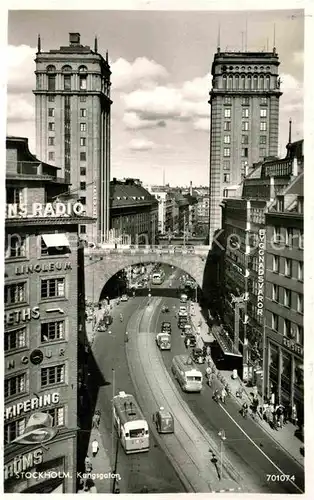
x,y
49,376
51,288
14,429
244,152
287,271
52,98
49,332
285,297
66,82
287,236
16,246
245,112
83,112
52,156
51,141
52,127
246,100
258,82
244,138
289,329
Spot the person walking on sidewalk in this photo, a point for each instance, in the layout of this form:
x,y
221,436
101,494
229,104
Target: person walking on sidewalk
x,y
88,464
294,418
95,447
96,421
223,395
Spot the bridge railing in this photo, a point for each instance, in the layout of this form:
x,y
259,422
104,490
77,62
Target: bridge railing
x,y
98,250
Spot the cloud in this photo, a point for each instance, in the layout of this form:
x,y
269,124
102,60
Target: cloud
x,y
298,58
20,67
293,93
141,71
19,108
133,122
141,145
202,124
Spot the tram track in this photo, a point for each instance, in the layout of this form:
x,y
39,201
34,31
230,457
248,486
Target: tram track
x,y
191,432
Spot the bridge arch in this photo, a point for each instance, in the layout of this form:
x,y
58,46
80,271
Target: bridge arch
x,y
100,267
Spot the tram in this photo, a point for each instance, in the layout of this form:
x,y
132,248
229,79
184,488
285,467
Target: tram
x,y
131,426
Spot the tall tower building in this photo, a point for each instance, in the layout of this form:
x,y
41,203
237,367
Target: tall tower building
x,y
244,103
72,100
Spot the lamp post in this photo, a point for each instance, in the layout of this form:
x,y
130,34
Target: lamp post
x,y
222,436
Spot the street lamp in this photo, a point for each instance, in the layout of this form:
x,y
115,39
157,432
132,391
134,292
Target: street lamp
x,y
222,436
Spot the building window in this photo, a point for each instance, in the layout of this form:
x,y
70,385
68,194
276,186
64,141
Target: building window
x,y
262,139
15,339
226,178
245,152
53,287
299,335
227,126
263,126
245,112
51,156
82,186
52,375
288,267
227,112
51,126
51,331
245,139
82,171
57,415
300,205
51,98
262,152
275,263
226,139
226,165
51,83
82,112
263,101
14,294
83,141
300,271
277,235
227,100
226,151
15,246
15,385
82,98
83,82
13,430
83,229
245,101
287,297
288,236
83,156
67,82
83,200
300,303
301,241
51,112
263,113
274,321
275,293
224,81
83,127
51,141
245,126
287,327
267,82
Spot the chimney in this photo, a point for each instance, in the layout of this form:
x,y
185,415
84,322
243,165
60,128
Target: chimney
x,y
38,45
96,45
191,191
74,39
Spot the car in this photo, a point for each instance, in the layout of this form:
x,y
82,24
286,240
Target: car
x,y
165,309
166,327
183,298
164,421
198,356
192,340
182,321
163,340
190,249
177,249
124,298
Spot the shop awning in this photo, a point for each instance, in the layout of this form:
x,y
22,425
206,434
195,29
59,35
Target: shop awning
x,y
225,342
56,240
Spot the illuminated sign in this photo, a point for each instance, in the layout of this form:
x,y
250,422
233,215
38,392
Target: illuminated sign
x,y
260,272
15,316
293,346
278,169
58,209
31,404
43,267
21,463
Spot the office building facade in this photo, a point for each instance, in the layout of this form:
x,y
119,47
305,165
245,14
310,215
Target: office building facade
x,y
244,103
72,101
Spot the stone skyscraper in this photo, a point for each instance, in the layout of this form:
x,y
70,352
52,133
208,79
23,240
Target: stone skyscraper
x,y
72,100
244,103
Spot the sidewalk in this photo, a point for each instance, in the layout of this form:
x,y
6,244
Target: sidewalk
x,y
99,481
283,436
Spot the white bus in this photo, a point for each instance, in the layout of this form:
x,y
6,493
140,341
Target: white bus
x,y
158,278
131,426
186,373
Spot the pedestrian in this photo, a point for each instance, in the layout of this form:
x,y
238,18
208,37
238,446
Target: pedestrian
x,y
96,420
294,418
223,395
275,421
95,447
88,464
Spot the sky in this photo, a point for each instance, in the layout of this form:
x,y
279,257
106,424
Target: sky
x,y
161,64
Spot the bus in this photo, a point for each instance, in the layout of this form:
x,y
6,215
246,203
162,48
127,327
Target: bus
x,y
131,426
158,278
186,373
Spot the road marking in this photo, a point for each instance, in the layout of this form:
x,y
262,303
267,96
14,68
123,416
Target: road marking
x,y
263,453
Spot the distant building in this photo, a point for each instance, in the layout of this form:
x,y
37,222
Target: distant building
x,y
133,212
160,193
243,225
72,101
244,119
41,325
284,300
